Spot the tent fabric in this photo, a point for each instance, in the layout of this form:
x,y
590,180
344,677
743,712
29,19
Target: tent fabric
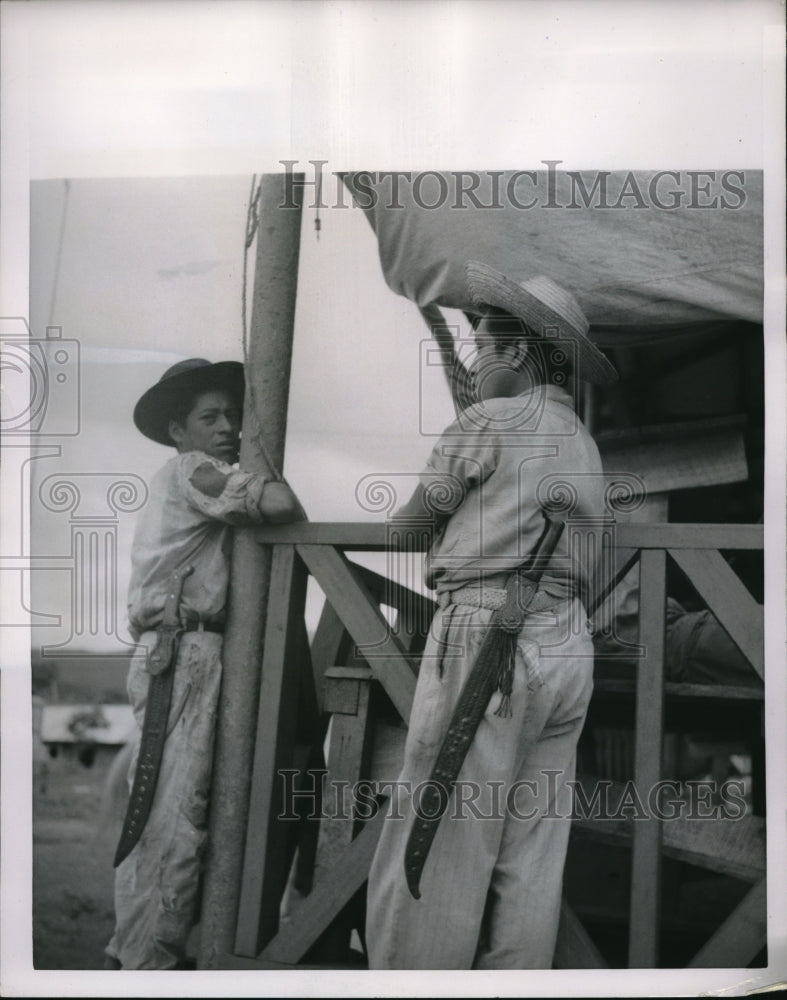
x,y
600,234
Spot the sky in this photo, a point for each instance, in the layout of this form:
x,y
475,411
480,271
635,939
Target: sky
x,y
159,114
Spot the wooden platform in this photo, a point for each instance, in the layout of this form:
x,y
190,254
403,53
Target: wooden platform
x,y
359,669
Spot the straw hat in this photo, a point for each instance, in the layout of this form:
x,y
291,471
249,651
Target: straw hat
x,y
157,406
545,307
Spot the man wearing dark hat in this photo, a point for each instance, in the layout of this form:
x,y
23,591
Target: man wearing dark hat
x,y
485,892
180,566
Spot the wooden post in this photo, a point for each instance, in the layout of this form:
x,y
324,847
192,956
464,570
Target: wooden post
x,y
267,389
645,902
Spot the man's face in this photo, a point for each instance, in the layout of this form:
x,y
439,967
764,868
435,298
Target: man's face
x,y
212,426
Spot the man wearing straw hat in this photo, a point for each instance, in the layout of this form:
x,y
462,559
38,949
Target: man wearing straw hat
x,y
485,893
180,568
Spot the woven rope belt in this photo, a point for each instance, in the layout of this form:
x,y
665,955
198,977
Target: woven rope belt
x,y
494,598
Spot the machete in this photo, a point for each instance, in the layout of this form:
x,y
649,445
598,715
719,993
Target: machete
x,y
499,644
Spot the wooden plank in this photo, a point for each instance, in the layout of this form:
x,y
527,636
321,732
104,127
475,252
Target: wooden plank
x,y
690,536
727,597
348,762
309,699
328,897
396,594
730,846
680,690
415,611
679,460
374,536
329,644
646,847
740,937
358,536
265,855
623,436
725,692
267,375
364,622
311,768
575,948
340,672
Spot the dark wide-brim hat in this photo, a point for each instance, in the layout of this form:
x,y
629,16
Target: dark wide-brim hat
x,y
157,407
547,309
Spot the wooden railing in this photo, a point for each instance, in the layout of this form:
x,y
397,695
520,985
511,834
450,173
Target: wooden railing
x,y
303,683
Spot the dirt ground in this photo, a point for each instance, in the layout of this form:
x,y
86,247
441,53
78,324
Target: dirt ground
x,y
74,840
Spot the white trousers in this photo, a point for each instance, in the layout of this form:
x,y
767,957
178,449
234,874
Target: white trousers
x,y
156,885
491,887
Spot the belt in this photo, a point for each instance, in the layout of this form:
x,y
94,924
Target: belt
x,y
494,598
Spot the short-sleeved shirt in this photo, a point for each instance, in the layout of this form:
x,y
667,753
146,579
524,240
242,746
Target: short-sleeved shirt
x,y
183,525
507,458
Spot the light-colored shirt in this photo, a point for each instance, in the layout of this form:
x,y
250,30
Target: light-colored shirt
x,y
185,525
499,463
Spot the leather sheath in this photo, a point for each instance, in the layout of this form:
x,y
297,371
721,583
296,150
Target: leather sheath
x,y
161,667
473,700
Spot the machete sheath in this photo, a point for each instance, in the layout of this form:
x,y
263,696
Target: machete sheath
x,y
493,669
161,667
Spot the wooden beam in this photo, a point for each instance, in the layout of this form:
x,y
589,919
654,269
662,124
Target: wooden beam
x,y
414,611
396,595
686,458
727,597
309,699
740,937
365,623
680,690
646,848
575,948
690,536
328,646
328,897
264,863
729,846
358,536
373,536
265,416
348,762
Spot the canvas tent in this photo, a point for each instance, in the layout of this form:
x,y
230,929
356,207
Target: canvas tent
x,y
603,234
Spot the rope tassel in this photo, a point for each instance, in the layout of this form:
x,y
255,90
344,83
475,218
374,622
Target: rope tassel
x,y
505,674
